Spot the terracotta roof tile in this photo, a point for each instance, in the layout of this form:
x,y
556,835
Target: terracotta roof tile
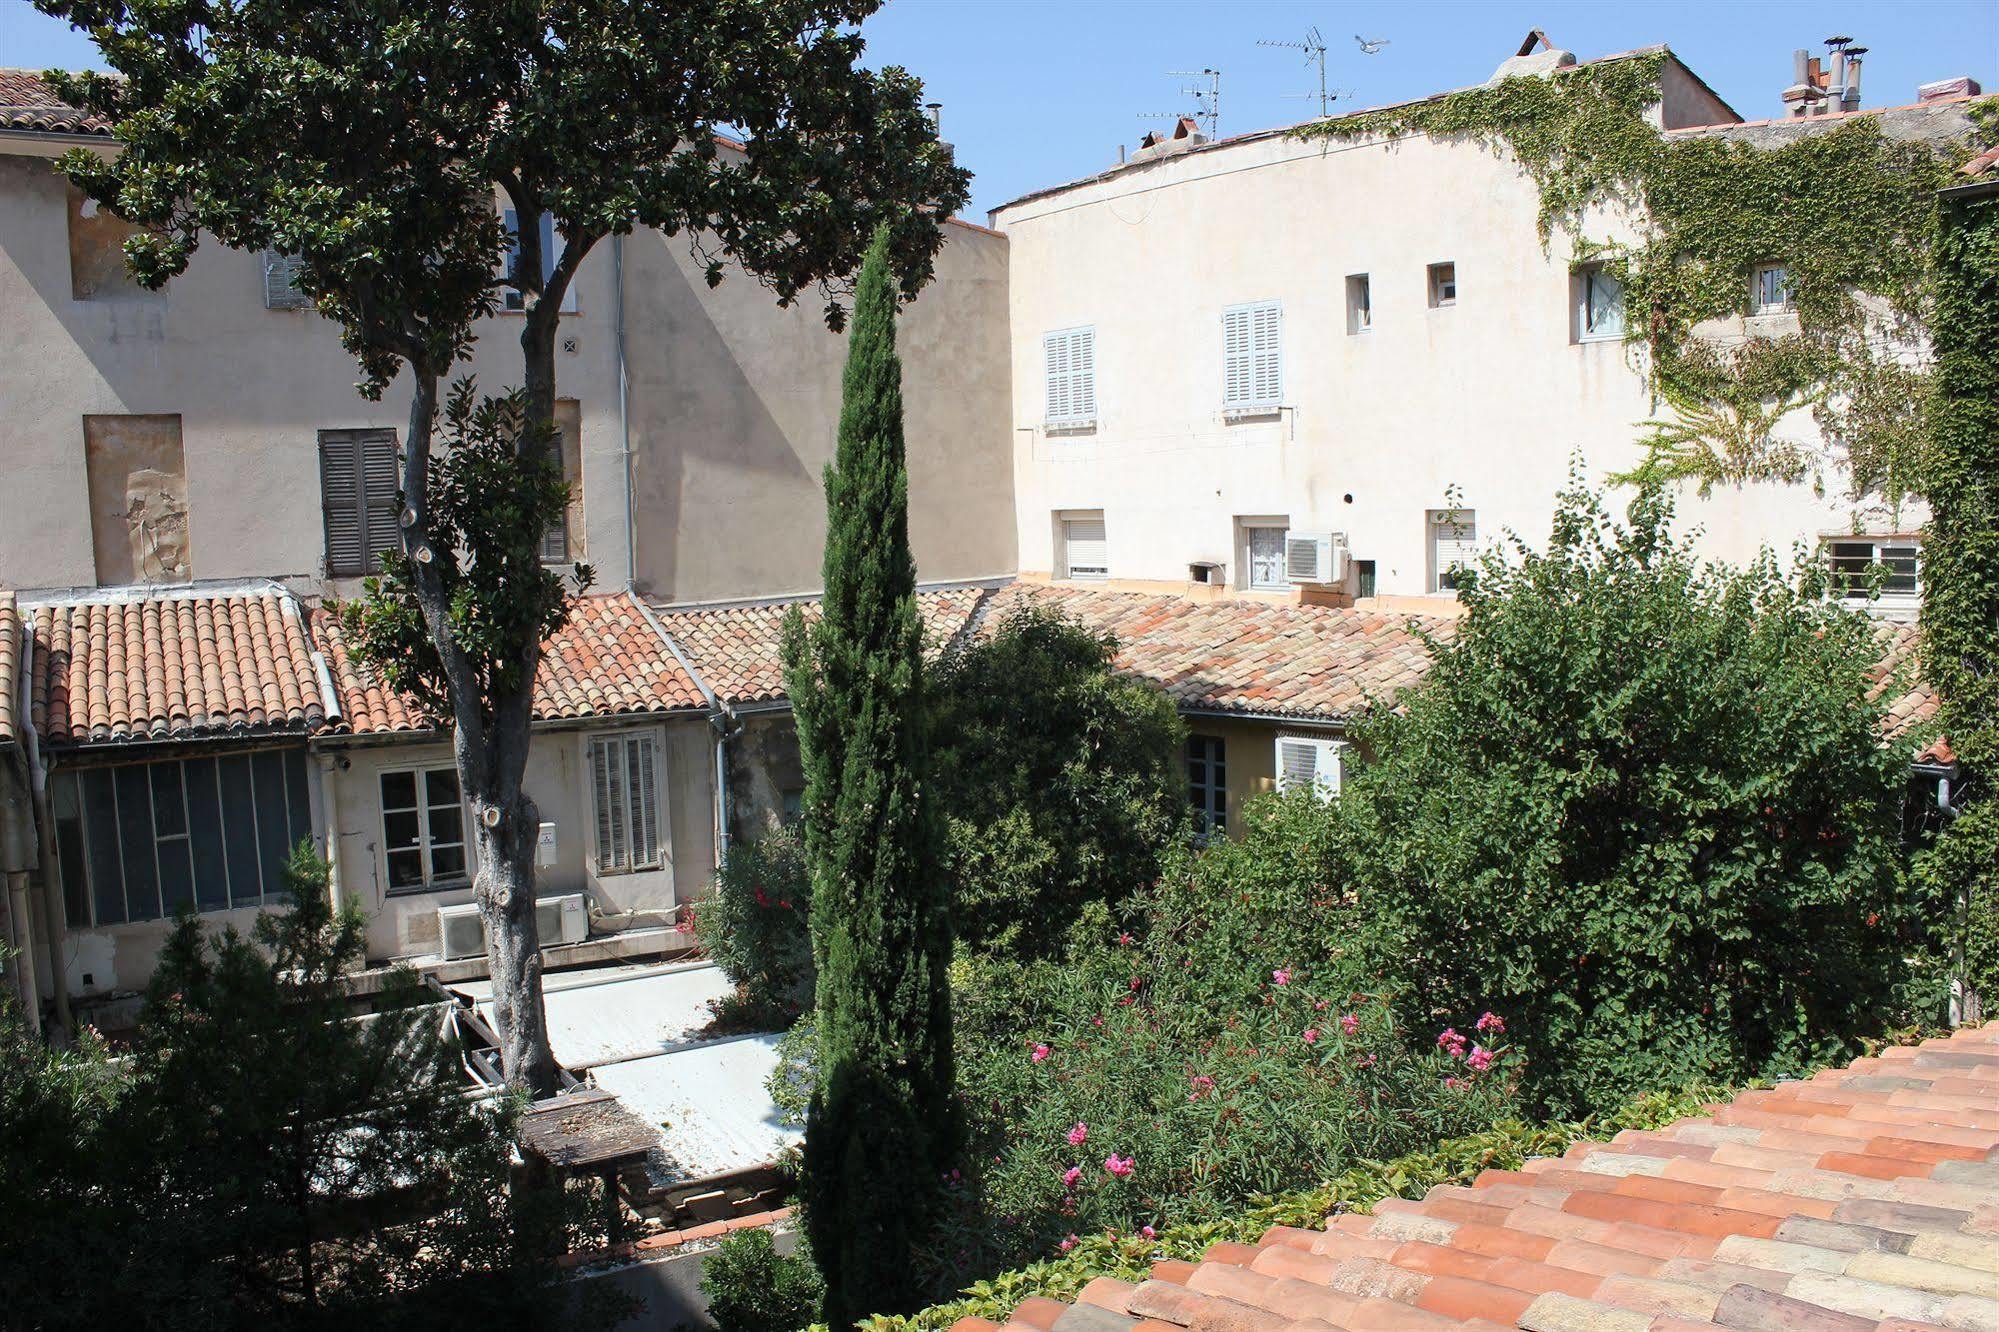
x,y
606,661
1910,702
174,666
10,669
27,103
1881,1214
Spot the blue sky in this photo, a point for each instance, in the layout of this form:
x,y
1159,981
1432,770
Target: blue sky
x,y
1040,91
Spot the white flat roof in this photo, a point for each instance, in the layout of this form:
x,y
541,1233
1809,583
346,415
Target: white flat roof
x,y
607,1014
715,1115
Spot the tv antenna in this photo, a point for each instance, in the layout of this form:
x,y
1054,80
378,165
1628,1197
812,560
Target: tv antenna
x,y
1314,47
1207,98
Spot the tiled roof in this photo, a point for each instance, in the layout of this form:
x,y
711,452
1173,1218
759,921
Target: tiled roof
x,y
738,650
1909,701
27,103
1984,164
10,668
606,661
172,667
1863,1200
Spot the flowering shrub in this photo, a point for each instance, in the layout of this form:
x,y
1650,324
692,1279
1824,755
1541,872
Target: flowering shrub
x,y
754,925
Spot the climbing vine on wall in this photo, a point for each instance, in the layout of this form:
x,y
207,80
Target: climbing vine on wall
x,y
1847,210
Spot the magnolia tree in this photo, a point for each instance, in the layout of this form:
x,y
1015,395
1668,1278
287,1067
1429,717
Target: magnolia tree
x,y
378,146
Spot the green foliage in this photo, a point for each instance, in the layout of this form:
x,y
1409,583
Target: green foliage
x,y
268,1157
1847,210
490,500
1358,1188
881,1122
1640,806
751,1287
1059,781
756,924
1961,562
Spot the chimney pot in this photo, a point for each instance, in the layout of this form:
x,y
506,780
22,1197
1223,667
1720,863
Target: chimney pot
x,y
1944,89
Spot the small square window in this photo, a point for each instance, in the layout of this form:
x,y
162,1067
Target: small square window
x,y
1085,551
1360,304
1861,566
1453,546
1264,559
1443,285
1772,289
1599,305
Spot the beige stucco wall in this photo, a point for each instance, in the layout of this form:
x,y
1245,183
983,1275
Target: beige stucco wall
x,y
738,403
1491,395
404,924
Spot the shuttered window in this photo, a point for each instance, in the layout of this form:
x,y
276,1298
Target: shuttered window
x,y
1453,546
1071,376
280,272
357,483
1085,552
1252,356
624,795
1309,764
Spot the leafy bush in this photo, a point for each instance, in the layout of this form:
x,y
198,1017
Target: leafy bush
x,y
1642,806
751,1287
1059,781
754,924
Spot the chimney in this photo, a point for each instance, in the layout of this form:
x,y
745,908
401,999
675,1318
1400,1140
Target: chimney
x,y
1798,98
1850,101
1944,90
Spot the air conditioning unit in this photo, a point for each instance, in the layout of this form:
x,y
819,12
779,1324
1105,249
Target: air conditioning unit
x,y
1315,557
558,920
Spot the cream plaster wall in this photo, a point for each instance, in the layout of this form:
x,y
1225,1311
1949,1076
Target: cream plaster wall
x,y
1491,395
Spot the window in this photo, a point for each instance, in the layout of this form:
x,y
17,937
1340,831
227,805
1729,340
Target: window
x,y
1085,552
1360,304
1263,547
1599,305
1453,546
1861,564
280,274
1772,289
423,829
513,299
1208,785
1363,578
141,841
1309,764
625,797
1070,358
563,541
358,486
1252,355
1443,285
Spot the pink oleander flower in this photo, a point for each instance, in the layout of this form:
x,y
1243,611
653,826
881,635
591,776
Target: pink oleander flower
x,y
1041,1052
1079,1134
1068,1244
1201,1083
1118,1165
1350,1023
1311,1035
1491,1022
1096,1022
1148,1232
1451,1043
1321,1005
1124,939
1281,976
1480,1059
1456,1084
1367,1061
1072,1176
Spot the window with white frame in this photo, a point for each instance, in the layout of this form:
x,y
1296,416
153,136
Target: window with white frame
x,y
1070,386
1085,549
1453,546
512,298
1309,763
1443,285
140,841
1360,303
423,829
1599,305
1252,357
624,795
1208,784
1771,289
1861,566
1263,555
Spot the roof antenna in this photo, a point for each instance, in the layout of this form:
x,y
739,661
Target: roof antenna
x,y
1207,100
1314,47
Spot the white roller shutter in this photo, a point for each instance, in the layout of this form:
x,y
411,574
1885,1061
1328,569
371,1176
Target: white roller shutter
x,y
1086,552
1309,763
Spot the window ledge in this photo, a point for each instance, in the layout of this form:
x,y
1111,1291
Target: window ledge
x,y
426,890
1262,411
1058,428
1591,339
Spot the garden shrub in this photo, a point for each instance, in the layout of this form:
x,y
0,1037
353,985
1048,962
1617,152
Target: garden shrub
x,y
1060,782
751,1287
1641,806
754,924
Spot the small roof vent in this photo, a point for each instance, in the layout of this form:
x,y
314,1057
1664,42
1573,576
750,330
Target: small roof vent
x,y
1537,55
1185,134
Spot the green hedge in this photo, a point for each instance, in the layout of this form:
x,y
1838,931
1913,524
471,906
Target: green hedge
x,y
1455,1161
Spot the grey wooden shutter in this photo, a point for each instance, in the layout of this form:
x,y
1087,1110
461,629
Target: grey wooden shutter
x,y
357,482
280,272
555,540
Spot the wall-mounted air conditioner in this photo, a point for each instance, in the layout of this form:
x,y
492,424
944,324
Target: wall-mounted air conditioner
x,y
1315,557
558,920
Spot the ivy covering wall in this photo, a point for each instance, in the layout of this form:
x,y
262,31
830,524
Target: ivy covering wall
x,y
1848,210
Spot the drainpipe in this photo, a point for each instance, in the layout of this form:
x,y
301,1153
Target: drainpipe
x,y
625,409
54,917
1964,1002
21,938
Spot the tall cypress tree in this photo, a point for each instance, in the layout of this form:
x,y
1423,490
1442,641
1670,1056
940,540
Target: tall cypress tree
x,y
880,1129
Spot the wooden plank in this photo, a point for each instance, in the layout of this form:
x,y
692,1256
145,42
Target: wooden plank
x,y
586,1129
